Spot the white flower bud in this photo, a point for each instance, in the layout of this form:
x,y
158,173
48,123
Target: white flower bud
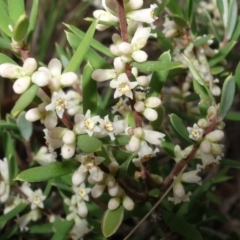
x,y
178,189
101,75
56,132
138,132
119,65
68,79
40,78
216,149
125,48
139,56
33,115
203,123
78,177
191,177
116,38
152,102
55,67
114,190
97,176
50,120
139,106
134,144
133,4
68,150
128,203
97,190
215,136
150,114
110,181
21,84
113,167
82,209
114,50
205,147
30,65
114,203
143,81
11,71
69,137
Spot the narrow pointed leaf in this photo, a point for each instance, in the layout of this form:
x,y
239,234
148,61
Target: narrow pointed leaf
x,y
227,97
179,126
61,227
25,99
89,91
82,49
32,19
232,18
25,126
111,221
16,9
124,167
50,171
5,59
88,144
151,66
230,163
5,22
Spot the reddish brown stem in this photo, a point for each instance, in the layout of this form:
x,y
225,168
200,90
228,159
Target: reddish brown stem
x,y
122,20
66,121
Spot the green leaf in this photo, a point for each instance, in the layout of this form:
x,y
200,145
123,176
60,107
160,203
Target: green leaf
x,y
202,40
16,9
151,66
13,213
214,29
88,144
89,91
24,100
164,43
223,52
232,18
159,77
227,96
21,27
5,44
175,8
230,163
178,224
10,153
161,6
5,59
94,43
82,49
180,21
231,116
236,31
199,79
111,221
237,77
93,57
61,227
41,229
43,173
120,140
179,126
32,20
25,126
217,70
5,22
168,146
124,167
8,126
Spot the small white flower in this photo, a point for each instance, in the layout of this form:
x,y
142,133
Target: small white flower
x,y
86,124
82,192
107,127
43,157
195,133
80,229
90,164
123,86
60,102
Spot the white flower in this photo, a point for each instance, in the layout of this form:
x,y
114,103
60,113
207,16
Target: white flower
x,y
24,220
179,194
153,137
123,86
80,229
82,192
43,157
191,177
86,124
90,164
195,133
36,197
60,102
52,143
4,182
121,106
